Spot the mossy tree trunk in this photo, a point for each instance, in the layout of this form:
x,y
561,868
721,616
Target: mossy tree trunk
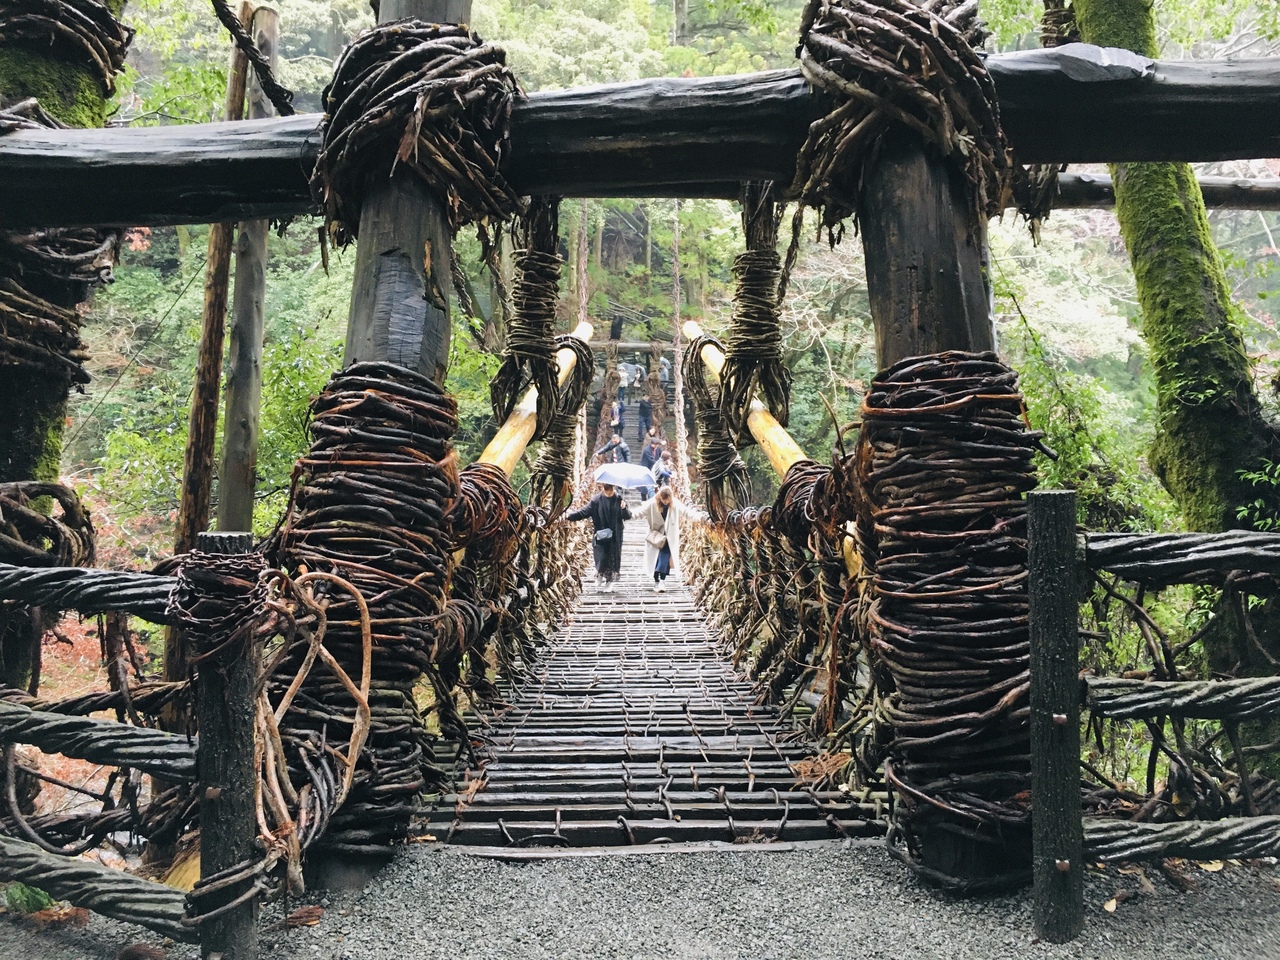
x,y
1210,428
35,407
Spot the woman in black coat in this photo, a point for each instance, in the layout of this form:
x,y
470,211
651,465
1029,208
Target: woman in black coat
x,y
606,511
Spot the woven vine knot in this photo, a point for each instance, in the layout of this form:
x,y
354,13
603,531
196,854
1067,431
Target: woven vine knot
x,y
895,64
434,99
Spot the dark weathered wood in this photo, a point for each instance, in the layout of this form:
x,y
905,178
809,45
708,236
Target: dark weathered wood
x,y
226,691
94,886
662,137
236,479
1237,838
1057,832
1256,698
1159,559
924,256
100,741
197,462
400,299
642,345
1094,190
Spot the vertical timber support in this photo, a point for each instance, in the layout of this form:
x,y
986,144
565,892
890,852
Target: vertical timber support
x,y
928,290
225,698
400,301
1057,828
197,464
244,369
926,275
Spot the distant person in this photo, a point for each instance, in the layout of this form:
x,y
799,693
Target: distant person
x,y
606,511
618,447
663,469
664,370
649,456
624,379
662,540
644,414
617,411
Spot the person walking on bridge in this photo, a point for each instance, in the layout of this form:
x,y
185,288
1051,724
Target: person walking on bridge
x,y
662,540
606,511
618,446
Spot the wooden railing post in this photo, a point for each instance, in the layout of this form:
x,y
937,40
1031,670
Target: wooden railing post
x,y
1057,828
225,694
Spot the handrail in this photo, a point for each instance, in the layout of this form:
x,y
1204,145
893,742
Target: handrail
x,y
772,436
509,443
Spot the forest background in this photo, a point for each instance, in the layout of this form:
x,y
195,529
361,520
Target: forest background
x,y
1067,312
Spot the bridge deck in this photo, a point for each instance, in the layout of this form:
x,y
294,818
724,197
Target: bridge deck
x,y
635,730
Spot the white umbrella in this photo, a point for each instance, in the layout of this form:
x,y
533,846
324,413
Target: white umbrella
x,y
625,475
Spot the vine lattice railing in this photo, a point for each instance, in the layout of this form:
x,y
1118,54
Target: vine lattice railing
x,y
1202,800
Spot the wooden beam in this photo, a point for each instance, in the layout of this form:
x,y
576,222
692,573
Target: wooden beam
x,y
400,298
689,137
509,443
226,701
772,437
236,479
642,346
1095,190
926,277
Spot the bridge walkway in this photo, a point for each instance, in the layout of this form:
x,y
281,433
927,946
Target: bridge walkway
x,y
634,729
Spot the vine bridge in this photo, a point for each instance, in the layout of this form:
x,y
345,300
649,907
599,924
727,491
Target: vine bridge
x,y
890,646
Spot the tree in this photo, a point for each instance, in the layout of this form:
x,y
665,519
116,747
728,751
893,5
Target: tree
x,y
75,91
1214,450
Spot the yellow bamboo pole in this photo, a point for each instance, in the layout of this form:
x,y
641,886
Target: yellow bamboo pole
x,y
509,443
772,436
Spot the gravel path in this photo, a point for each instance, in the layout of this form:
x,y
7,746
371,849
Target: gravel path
x,y
833,901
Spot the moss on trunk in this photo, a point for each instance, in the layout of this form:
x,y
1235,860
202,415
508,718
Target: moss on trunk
x,y
35,407
1210,427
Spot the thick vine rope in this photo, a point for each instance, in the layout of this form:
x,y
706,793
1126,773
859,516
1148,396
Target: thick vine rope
x,y
725,481
281,97
370,506
944,456
553,471
433,98
85,30
895,64
529,354
753,352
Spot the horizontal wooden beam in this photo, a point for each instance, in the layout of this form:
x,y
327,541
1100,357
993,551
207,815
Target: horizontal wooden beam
x,y
689,137
641,345
1093,190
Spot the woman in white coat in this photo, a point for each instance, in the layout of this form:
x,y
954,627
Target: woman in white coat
x,y
662,540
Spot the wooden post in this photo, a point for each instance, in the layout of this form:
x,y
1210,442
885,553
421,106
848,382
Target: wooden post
x,y
400,301
244,370
509,443
924,251
197,466
225,705
1057,828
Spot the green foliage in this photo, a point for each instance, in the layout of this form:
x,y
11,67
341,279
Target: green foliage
x,y
295,369
1259,513
20,898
